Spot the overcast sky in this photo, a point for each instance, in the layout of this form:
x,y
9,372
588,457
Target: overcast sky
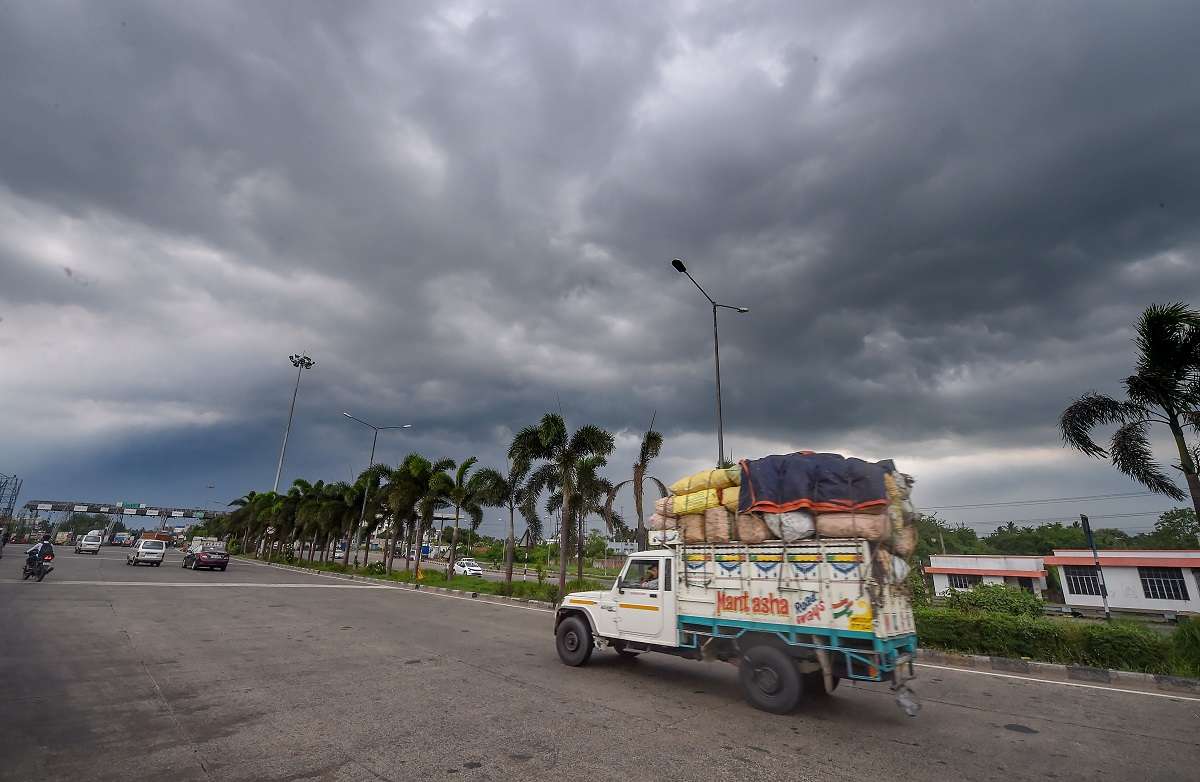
x,y
944,219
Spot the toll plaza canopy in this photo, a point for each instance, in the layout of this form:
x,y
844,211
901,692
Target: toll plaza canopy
x,y
117,508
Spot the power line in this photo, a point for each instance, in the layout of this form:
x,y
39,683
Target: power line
x,y
1123,495
1002,522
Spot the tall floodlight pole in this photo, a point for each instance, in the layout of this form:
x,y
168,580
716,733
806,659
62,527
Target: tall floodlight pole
x,y
362,514
301,363
679,267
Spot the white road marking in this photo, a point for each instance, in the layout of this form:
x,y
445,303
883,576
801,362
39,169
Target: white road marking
x,y
202,584
1052,681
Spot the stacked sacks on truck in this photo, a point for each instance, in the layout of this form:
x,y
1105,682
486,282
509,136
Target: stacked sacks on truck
x,y
719,526
751,529
658,522
791,526
691,528
700,501
720,478
851,498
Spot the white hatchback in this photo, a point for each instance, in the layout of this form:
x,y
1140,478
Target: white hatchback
x,y
149,551
467,567
87,544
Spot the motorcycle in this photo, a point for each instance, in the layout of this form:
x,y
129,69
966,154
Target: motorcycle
x,y
39,568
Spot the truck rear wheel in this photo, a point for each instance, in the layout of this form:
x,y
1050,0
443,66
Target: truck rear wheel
x,y
574,641
770,680
814,684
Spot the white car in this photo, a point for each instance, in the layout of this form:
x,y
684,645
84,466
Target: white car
x,y
467,567
150,552
87,544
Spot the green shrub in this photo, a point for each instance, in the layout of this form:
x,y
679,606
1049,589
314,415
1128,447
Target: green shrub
x,y
1125,645
1121,645
1185,643
918,588
995,597
375,569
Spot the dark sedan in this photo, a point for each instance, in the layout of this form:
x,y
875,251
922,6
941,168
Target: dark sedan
x,y
209,557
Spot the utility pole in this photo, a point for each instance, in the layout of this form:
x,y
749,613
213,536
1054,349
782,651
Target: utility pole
x,y
1087,530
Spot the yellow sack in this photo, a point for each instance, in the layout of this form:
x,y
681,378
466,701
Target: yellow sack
x,y
708,479
700,501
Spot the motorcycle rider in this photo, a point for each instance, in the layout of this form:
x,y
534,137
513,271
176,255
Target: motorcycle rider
x,y
35,553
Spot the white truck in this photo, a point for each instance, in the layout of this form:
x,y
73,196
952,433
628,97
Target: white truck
x,y
796,618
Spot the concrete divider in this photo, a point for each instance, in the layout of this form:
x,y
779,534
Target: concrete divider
x,y
1055,672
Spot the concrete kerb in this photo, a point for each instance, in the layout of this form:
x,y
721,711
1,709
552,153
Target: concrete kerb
x,y
481,597
1055,672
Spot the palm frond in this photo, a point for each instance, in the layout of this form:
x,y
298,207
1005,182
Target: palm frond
x,y
552,431
662,487
1132,455
591,439
1084,414
652,443
1164,335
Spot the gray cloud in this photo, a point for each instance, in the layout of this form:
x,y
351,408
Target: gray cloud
x,y
943,218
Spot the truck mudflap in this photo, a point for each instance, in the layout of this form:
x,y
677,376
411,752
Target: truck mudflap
x,y
902,674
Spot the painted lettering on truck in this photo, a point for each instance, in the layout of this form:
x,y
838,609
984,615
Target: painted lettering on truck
x,y
745,603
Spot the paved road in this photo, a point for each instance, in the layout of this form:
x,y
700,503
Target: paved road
x,y
118,673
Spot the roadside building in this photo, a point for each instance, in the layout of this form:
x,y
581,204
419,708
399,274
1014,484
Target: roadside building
x,y
966,570
1159,581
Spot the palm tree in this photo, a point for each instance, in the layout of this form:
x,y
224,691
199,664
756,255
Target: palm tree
x,y
511,491
366,497
651,446
240,518
469,493
1165,389
432,486
402,493
592,491
561,453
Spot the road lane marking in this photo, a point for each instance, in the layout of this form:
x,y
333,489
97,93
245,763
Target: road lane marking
x,y
1052,681
60,582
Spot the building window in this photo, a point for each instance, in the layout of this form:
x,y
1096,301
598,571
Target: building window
x,y
962,581
1163,583
1082,580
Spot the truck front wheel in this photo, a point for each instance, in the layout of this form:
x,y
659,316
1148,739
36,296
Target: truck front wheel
x,y
574,641
770,680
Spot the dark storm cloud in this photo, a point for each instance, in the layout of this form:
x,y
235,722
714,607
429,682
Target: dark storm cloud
x,y
944,219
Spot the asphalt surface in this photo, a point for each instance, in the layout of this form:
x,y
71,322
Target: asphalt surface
x,y
115,673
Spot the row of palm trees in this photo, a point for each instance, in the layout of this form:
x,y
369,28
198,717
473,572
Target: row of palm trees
x,y
544,460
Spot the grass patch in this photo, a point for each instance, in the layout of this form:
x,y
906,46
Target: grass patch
x,y
529,590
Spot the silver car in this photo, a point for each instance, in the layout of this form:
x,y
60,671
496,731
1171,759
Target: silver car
x,y
87,544
150,552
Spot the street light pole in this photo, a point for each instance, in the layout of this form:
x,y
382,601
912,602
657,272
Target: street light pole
x,y
682,269
366,489
301,363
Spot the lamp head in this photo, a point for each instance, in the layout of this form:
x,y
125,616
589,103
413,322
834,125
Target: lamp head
x,y
742,310
679,267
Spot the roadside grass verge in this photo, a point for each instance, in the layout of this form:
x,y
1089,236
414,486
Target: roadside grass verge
x,y
528,590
